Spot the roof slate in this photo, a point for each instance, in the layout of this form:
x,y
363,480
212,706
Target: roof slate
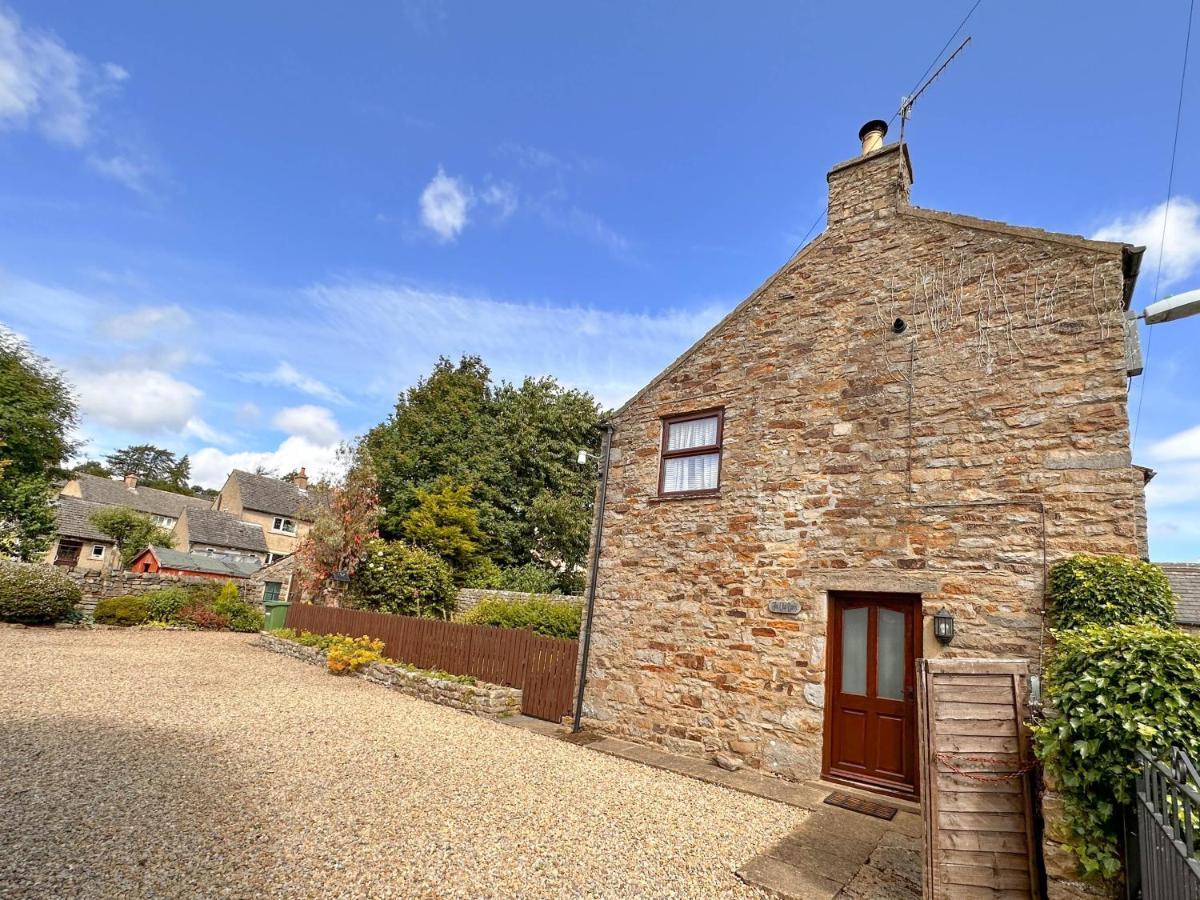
x,y
1185,582
73,518
269,495
221,529
97,489
205,562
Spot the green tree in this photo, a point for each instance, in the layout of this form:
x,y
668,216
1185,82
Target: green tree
x,y
131,530
444,522
513,446
92,467
37,413
154,467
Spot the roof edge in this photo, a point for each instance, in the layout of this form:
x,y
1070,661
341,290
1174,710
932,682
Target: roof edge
x,y
679,360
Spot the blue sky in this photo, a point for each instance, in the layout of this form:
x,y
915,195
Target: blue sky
x,y
242,228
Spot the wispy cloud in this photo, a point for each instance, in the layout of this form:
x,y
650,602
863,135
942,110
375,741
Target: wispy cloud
x,y
287,375
1180,250
48,88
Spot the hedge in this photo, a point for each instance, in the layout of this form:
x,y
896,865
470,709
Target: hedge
x,y
396,578
1114,688
1109,590
544,615
36,595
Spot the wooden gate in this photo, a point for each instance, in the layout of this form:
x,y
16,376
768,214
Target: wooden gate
x,y
975,779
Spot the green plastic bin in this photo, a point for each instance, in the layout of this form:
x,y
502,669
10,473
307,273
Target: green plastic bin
x,y
276,613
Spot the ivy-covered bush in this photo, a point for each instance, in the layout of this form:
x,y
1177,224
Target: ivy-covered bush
x,y
1114,688
35,595
1109,590
128,610
407,581
544,615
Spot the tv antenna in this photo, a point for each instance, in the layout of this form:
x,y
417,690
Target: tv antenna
x,y
906,103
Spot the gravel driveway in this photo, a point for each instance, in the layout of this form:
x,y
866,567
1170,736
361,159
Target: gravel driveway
x,y
189,764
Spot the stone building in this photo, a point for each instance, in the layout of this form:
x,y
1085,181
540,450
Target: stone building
x,y
919,411
280,508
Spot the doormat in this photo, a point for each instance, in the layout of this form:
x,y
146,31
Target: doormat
x,y
858,805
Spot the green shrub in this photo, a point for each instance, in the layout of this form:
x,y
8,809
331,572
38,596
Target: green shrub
x,y
1114,688
164,603
35,595
128,610
544,615
407,581
242,616
528,579
1109,590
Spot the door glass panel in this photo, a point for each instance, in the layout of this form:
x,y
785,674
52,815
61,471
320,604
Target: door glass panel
x,y
854,650
889,655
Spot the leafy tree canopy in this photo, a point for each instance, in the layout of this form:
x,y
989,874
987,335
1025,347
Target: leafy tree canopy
x,y
512,446
445,522
131,531
37,413
154,467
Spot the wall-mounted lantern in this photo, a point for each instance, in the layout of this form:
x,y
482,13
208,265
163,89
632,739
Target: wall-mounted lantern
x,y
943,626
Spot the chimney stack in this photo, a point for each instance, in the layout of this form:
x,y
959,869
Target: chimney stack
x,y
872,135
130,480
300,479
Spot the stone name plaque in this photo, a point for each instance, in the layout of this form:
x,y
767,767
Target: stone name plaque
x,y
784,607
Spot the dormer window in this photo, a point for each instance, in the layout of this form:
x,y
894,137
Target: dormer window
x,y
283,526
691,454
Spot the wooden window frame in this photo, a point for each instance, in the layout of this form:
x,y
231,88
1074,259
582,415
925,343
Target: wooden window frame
x,y
664,454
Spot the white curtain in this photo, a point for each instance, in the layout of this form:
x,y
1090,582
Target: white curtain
x,y
697,433
691,473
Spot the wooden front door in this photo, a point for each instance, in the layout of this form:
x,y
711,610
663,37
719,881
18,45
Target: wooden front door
x,y
871,709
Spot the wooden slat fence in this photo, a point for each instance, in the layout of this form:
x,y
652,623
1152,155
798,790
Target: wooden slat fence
x,y
543,668
976,786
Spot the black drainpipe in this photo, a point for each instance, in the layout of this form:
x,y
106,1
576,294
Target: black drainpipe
x,y
594,573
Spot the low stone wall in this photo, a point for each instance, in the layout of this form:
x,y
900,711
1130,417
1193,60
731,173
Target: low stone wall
x,y
98,586
468,598
492,701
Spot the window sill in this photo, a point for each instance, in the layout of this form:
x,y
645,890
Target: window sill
x,y
686,495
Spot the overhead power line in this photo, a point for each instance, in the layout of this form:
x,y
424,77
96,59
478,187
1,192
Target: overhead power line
x,y
1162,241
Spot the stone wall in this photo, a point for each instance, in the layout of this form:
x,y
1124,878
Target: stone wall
x,y
98,586
857,458
1062,871
468,598
480,699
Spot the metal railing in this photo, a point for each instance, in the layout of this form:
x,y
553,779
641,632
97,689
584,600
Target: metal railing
x,y
1168,813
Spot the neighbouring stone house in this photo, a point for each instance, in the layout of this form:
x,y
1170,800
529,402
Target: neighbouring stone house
x,y
1185,582
76,541
919,411
276,578
217,532
201,564
278,507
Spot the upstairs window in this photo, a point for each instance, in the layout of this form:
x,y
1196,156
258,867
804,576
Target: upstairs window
x,y
691,453
286,526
